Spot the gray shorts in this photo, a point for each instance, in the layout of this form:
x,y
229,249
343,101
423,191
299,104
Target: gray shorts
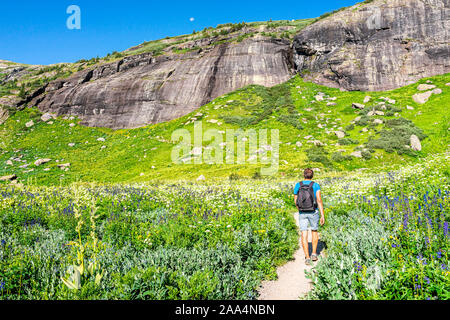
x,y
309,218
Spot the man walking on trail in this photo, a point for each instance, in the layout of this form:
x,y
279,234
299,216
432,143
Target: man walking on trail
x,y
308,200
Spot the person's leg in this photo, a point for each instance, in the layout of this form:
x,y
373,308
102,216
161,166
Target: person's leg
x,y
303,223
305,243
315,241
315,234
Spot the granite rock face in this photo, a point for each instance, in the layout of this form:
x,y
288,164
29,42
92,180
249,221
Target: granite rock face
x,y
143,89
380,45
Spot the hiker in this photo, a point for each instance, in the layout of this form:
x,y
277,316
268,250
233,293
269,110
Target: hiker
x,y
308,200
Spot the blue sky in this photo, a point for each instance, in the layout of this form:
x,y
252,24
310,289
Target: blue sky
x,y
35,32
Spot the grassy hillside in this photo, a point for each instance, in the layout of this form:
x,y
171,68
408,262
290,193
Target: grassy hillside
x,y
145,154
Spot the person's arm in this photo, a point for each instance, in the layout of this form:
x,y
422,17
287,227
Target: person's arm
x,y
295,201
320,204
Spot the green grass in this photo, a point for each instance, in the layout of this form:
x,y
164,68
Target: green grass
x,y
130,154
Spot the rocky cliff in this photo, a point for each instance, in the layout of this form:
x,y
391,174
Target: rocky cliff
x,y
145,89
379,45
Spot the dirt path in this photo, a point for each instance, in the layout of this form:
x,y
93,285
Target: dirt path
x,y
292,283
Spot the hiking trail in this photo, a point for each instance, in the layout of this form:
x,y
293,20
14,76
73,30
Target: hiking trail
x,y
291,283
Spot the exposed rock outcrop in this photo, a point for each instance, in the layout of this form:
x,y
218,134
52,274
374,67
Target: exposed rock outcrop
x,y
143,89
380,45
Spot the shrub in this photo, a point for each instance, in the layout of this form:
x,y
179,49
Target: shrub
x,y
318,154
347,141
396,139
366,154
350,127
290,120
339,157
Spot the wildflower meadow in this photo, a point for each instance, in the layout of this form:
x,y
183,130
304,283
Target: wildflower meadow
x,y
386,237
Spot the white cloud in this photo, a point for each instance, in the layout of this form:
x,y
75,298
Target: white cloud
x,y
191,19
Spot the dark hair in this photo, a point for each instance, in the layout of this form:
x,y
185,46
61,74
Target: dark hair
x,y
308,174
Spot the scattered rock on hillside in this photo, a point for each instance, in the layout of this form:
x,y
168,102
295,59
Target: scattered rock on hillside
x,y
379,113
331,104
357,154
71,145
299,144
378,121
64,166
4,114
339,134
367,99
29,124
47,116
101,139
358,106
409,108
41,161
448,84
201,178
415,143
9,163
423,97
8,178
437,91
319,98
424,87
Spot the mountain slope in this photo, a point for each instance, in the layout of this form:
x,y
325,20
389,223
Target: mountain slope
x,y
376,45
166,79
301,111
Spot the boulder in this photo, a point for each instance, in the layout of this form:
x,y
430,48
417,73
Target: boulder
x,y
378,121
415,143
63,166
29,124
318,98
367,99
358,106
437,91
423,97
4,114
8,178
41,161
356,154
424,87
339,134
47,116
